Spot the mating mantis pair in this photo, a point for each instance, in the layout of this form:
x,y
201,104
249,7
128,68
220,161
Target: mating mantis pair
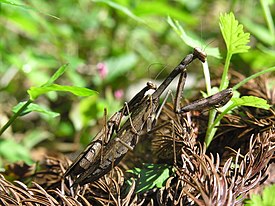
x,y
105,152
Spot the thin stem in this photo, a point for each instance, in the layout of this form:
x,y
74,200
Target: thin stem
x,y
224,81
271,69
13,118
212,114
210,131
218,119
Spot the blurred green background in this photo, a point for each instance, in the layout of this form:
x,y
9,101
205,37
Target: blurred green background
x,y
109,46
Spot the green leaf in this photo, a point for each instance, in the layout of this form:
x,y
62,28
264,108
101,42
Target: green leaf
x,y
164,8
117,66
35,92
191,40
26,7
14,151
268,195
34,108
34,137
250,101
121,8
152,175
56,75
266,199
258,30
233,34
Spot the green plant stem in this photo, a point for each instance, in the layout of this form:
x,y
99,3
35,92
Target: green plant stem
x,y
224,81
212,114
219,117
13,118
212,122
271,69
210,130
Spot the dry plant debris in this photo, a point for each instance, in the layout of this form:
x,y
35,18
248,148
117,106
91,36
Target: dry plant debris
x,y
236,162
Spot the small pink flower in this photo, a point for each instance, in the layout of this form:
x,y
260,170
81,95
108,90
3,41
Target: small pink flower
x,y
119,94
102,70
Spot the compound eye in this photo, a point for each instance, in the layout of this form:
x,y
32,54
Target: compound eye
x,y
151,85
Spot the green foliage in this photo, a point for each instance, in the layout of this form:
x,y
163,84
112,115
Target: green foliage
x,y
235,38
20,152
14,151
133,40
266,199
119,66
35,92
248,101
32,107
49,86
236,42
152,175
193,41
122,9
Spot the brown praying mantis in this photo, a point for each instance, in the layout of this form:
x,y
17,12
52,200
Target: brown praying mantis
x,y
96,147
92,164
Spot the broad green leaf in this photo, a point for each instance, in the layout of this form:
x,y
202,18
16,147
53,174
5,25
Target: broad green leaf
x,y
233,34
35,92
117,66
163,8
56,75
34,137
152,175
258,30
251,101
254,201
266,199
14,151
34,108
192,41
121,8
268,195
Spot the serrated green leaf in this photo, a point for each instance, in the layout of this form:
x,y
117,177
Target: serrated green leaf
x,y
250,101
233,34
35,92
56,75
32,107
152,175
